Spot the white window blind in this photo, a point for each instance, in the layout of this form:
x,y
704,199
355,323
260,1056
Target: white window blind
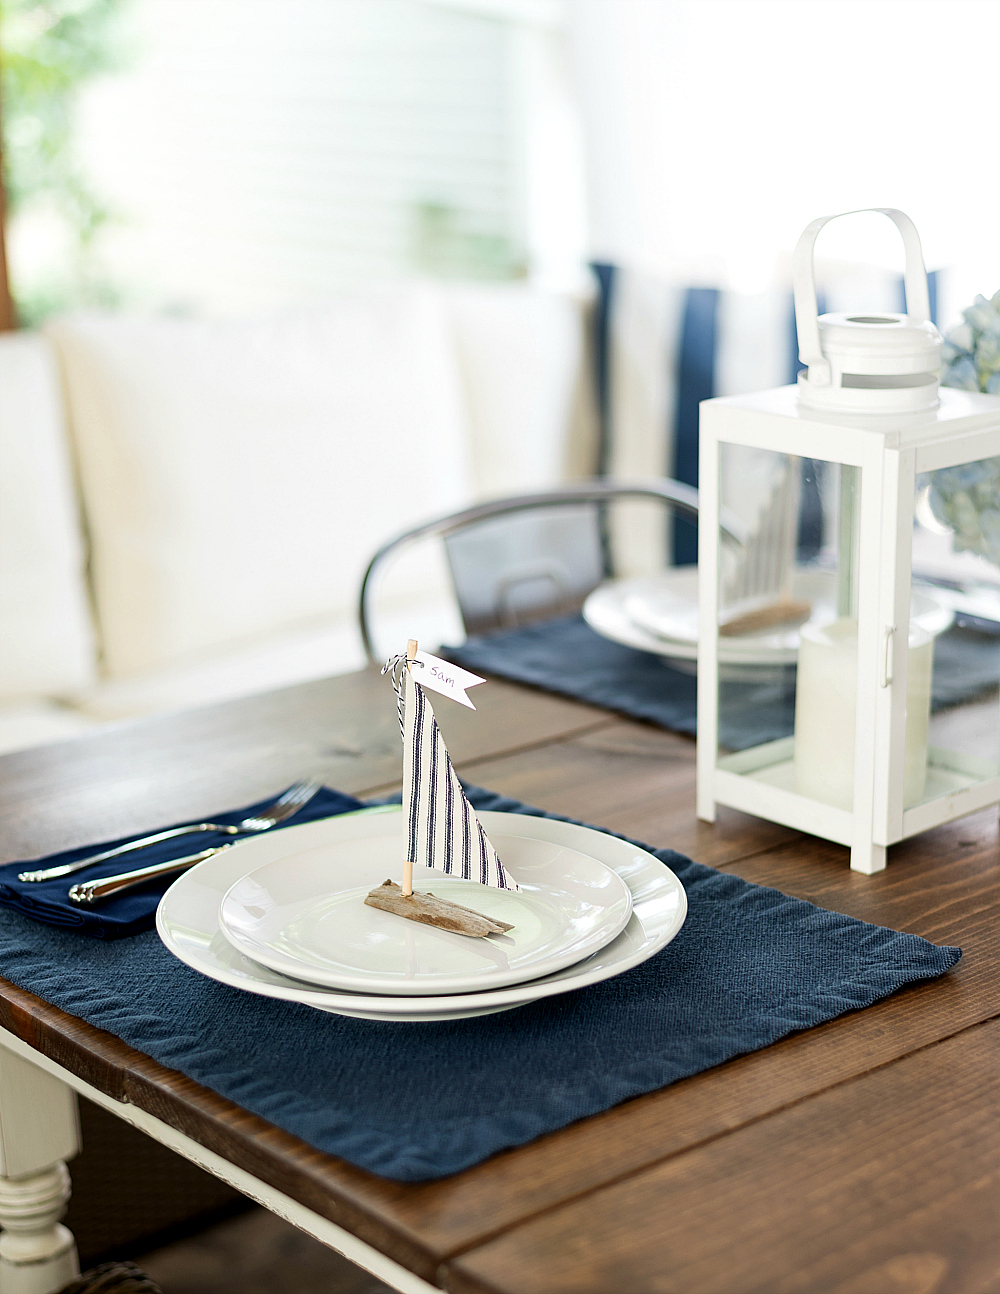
x,y
262,152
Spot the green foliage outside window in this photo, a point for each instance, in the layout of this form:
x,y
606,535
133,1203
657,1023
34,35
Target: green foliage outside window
x,y
51,49
48,50
447,245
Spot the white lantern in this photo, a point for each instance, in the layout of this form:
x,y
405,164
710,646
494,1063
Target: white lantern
x,y
820,637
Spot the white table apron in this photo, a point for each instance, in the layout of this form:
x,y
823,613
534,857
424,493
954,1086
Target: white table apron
x,y
39,1130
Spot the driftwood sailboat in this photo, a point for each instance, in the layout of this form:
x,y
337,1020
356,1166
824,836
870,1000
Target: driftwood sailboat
x,y
440,826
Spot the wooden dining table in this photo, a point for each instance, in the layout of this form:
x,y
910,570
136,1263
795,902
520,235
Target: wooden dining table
x,y
858,1157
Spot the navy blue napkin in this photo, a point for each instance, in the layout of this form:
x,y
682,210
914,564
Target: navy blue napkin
x,y
749,966
134,910
566,656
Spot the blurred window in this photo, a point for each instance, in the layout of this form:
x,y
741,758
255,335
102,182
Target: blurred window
x,y
228,155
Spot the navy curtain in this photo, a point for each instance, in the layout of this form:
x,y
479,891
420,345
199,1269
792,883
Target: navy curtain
x,y
695,382
605,275
810,537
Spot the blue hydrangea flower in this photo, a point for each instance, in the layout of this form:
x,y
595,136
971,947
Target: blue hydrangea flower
x,y
971,352
967,500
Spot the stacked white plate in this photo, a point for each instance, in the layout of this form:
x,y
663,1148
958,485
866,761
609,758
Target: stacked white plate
x,y
283,915
659,613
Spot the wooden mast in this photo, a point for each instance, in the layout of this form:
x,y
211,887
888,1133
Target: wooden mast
x,y
409,709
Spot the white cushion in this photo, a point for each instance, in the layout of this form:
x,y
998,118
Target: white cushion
x,y
528,391
46,636
296,655
274,661
238,475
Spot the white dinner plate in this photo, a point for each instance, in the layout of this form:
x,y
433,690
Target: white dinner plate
x,y
187,922
659,614
304,914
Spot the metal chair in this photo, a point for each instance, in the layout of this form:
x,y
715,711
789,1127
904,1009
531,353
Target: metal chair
x,y
528,557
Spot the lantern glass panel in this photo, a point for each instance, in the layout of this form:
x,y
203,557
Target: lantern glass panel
x,y
953,701
787,614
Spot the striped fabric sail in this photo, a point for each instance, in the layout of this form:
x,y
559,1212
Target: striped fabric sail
x,y
441,827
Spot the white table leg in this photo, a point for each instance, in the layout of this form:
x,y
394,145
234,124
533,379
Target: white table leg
x,y
39,1129
36,1068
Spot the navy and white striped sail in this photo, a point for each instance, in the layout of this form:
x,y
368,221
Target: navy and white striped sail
x,y
441,828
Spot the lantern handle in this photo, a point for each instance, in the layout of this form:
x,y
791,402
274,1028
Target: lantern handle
x,y
804,281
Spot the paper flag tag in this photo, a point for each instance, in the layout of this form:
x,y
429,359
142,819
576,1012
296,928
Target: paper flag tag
x,y
441,676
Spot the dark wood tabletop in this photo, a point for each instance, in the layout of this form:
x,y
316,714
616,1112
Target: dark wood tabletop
x,y
859,1157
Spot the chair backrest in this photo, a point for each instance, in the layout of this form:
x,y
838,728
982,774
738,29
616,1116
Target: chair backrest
x,y
527,557
520,566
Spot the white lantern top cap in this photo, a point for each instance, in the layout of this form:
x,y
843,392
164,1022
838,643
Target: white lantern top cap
x,y
865,361
879,343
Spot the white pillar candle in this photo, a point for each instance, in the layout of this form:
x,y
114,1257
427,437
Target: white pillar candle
x,y
825,709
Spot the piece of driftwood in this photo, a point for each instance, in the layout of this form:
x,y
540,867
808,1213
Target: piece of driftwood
x,y
434,912
783,612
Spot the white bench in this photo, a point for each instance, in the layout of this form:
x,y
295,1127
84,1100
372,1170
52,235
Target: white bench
x,y
187,506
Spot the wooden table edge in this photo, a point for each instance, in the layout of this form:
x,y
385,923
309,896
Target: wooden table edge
x,y
129,1082
126,1081
294,1211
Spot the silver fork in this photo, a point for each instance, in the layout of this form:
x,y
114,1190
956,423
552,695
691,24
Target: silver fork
x,y
293,799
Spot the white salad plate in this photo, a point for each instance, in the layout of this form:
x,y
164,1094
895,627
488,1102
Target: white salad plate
x,y
187,920
304,914
659,613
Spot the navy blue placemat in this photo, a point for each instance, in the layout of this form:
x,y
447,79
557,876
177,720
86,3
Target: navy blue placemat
x,y
417,1101
135,910
966,663
566,656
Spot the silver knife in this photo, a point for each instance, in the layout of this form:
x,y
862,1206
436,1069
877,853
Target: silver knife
x,y
102,887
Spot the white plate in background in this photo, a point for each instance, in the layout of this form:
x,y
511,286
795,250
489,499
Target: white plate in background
x,y
659,614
